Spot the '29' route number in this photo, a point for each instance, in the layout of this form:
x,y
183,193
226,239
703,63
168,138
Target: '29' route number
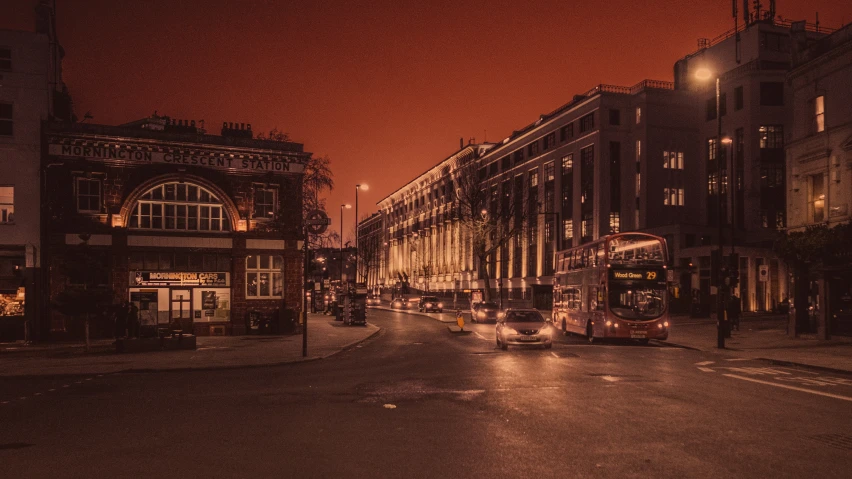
x,y
649,275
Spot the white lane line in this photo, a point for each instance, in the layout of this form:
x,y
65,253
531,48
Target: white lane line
x,y
706,370
22,398
89,379
37,394
794,388
100,375
480,336
66,386
4,402
554,354
51,390
737,359
704,363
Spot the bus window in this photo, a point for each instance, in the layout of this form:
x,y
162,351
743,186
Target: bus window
x,y
636,249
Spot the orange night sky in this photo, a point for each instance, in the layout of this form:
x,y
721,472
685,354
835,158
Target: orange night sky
x,y
385,88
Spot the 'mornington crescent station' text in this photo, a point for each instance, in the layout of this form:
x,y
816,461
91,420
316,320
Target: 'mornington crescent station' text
x,y
111,153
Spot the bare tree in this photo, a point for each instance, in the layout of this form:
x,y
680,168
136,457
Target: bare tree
x,y
489,216
368,255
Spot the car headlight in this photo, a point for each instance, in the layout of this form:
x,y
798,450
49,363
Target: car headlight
x,y
440,305
511,331
480,314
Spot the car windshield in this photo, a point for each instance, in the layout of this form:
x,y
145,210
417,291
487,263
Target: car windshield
x,y
487,306
430,298
637,302
524,317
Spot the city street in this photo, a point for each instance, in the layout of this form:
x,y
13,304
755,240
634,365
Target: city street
x,y
418,401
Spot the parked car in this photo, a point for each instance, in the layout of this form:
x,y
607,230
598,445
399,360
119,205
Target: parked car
x,y
484,312
523,327
373,300
399,303
430,303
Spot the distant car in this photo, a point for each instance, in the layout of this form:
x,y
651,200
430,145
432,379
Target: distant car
x,y
484,312
523,327
399,303
373,300
430,303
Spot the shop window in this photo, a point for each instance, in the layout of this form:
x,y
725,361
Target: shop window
x,y
263,277
179,207
7,205
88,195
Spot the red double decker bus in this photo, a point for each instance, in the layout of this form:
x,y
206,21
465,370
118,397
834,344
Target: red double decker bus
x,y
614,287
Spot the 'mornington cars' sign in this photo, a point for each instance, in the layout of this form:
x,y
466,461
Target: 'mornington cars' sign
x,y
253,164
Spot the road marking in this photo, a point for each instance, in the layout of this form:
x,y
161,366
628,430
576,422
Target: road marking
x,y
66,386
22,398
737,359
89,379
4,402
554,354
480,336
706,370
704,363
100,375
51,390
78,382
794,388
758,371
37,394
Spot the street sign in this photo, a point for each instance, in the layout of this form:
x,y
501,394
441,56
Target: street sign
x,y
316,222
763,272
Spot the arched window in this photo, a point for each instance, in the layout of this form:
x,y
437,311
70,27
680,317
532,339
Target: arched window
x,y
179,207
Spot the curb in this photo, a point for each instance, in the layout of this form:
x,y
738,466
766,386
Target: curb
x,y
204,368
779,362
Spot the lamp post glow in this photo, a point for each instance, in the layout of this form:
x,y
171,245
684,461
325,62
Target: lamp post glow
x,y
347,206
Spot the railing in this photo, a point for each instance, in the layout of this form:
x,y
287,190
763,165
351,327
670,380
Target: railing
x,y
630,90
810,27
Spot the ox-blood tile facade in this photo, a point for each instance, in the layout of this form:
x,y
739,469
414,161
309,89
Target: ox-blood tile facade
x,y
198,230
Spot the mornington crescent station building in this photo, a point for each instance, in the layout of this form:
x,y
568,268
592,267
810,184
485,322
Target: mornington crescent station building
x,y
196,230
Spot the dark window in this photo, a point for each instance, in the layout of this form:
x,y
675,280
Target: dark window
x,y
615,117
481,174
264,203
772,176
723,103
738,98
566,132
587,123
519,156
88,195
6,119
5,58
775,42
615,176
549,140
711,109
492,169
532,149
505,163
771,93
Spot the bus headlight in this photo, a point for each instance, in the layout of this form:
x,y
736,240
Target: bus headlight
x,y
666,324
441,305
660,325
480,314
609,323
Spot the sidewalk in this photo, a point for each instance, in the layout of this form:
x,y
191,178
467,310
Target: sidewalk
x,y
325,338
764,337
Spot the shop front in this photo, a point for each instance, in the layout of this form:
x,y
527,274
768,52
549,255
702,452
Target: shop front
x,y
190,302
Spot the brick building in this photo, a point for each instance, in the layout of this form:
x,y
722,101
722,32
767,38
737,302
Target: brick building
x,y
197,230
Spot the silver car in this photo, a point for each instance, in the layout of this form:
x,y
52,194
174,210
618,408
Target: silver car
x,y
523,327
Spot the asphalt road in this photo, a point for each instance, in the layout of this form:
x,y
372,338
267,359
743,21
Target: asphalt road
x,y
418,401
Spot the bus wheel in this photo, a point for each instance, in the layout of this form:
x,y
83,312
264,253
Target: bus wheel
x,y
590,335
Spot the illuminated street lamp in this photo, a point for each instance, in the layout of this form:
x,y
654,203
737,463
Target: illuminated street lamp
x,y
347,206
721,319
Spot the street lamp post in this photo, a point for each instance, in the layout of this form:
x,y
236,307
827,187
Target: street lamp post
x,y
721,290
347,206
357,251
